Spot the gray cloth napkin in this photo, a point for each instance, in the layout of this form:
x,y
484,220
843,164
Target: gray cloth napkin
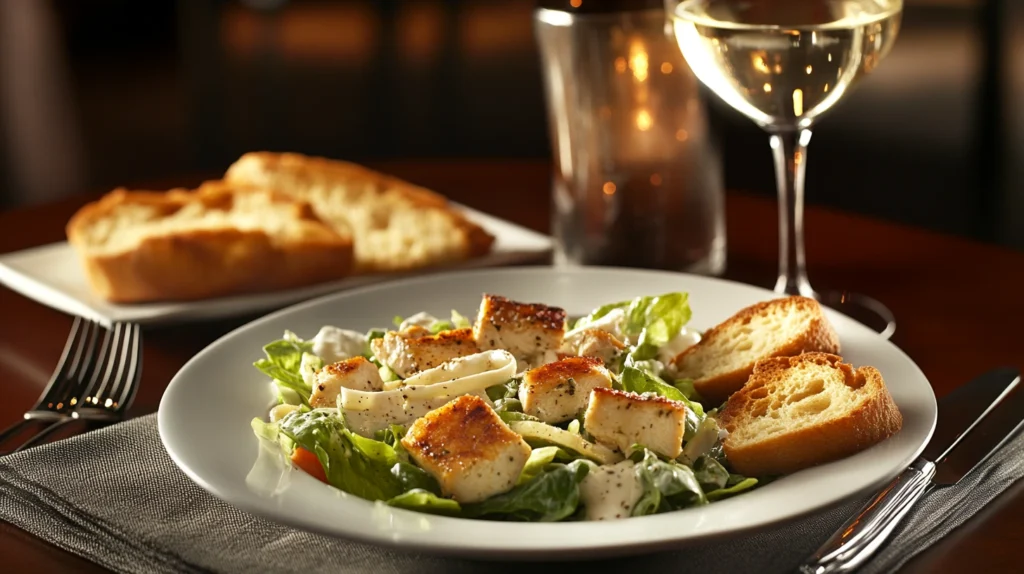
x,y
114,497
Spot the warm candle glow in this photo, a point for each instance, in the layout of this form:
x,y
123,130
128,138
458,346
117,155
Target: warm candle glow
x,y
638,60
608,188
757,60
644,121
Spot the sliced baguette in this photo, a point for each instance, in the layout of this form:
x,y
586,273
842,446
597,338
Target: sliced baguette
x,y
722,361
219,240
798,412
396,225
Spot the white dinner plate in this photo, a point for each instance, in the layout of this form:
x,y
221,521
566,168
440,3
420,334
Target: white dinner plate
x,y
205,415
52,275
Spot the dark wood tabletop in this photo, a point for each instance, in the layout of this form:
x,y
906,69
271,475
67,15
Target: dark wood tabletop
x,y
958,306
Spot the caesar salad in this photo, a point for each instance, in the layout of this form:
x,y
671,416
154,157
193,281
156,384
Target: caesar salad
x,y
524,414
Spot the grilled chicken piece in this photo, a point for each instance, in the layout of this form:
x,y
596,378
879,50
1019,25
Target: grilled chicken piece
x,y
530,331
619,420
469,450
416,349
595,343
355,373
557,392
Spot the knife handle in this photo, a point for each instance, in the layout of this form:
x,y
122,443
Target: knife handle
x,y
860,537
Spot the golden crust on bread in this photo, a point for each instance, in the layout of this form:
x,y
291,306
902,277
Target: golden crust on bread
x,y
798,412
396,225
723,360
219,240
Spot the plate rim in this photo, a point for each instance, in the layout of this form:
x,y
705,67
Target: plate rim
x,y
568,552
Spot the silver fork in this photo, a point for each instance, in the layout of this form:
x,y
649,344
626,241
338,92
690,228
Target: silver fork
x,y
65,388
111,386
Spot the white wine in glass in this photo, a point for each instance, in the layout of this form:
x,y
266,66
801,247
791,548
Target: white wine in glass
x,y
783,64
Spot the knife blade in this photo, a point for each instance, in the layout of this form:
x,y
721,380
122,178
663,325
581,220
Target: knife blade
x,y
1001,424
964,407
974,421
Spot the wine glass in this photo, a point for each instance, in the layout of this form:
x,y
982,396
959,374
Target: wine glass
x,y
784,63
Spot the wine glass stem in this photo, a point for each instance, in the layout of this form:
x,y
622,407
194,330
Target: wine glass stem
x,y
789,149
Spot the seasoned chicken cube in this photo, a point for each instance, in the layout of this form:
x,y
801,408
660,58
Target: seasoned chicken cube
x,y
557,392
595,343
527,330
416,349
619,420
355,373
469,450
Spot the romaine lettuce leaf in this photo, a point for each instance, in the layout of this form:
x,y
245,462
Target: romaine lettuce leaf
x,y
392,436
639,381
704,442
506,390
287,396
459,320
650,497
651,320
742,486
552,495
425,501
439,325
387,375
361,466
686,387
539,459
283,363
667,485
711,475
515,416
506,398
270,434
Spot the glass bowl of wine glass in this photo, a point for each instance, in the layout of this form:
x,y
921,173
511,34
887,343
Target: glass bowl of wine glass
x,y
784,64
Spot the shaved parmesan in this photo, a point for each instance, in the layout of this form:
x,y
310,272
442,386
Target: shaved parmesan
x,y
369,411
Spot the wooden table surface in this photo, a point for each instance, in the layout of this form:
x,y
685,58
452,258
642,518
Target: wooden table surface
x,y
958,307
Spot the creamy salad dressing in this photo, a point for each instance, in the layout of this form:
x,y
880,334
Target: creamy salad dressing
x,y
610,323
681,342
611,491
421,319
333,344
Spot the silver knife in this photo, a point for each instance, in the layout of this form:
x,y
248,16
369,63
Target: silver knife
x,y
974,421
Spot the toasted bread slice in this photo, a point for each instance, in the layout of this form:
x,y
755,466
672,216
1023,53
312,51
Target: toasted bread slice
x,y
722,361
797,412
218,240
396,225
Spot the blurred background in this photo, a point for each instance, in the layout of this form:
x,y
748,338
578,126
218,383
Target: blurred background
x,y
100,93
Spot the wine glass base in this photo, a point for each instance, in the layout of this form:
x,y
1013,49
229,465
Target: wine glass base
x,y
861,308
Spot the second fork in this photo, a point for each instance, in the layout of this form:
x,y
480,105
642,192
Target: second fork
x,y
107,388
